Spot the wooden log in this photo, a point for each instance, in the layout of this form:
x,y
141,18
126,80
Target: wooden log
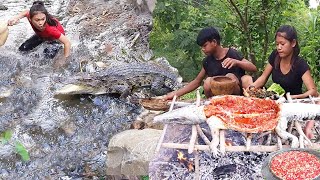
x,y
257,148
192,139
222,142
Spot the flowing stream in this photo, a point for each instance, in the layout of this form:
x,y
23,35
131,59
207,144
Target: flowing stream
x,y
65,138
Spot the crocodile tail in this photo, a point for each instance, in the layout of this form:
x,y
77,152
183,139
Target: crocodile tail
x,y
191,114
300,111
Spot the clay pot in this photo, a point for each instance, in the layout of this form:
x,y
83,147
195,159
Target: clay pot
x,y
222,85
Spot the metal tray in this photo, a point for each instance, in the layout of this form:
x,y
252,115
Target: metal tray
x,y
268,174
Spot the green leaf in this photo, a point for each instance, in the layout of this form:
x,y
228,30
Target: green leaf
x,y
21,150
5,136
145,177
277,89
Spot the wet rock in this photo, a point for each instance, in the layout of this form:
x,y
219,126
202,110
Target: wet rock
x,y
3,7
130,152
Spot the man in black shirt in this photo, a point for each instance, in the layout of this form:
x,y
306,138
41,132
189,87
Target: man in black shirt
x,y
220,61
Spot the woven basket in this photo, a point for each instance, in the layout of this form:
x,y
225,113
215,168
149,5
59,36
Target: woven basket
x,y
222,85
154,104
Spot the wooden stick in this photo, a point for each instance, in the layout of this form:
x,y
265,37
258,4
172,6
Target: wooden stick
x,y
301,141
192,139
195,129
290,128
222,142
264,134
301,133
307,99
311,99
165,127
290,100
279,142
197,164
198,97
258,148
202,135
268,140
248,143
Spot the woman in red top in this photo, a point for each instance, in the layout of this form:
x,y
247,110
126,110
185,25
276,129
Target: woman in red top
x,y
46,27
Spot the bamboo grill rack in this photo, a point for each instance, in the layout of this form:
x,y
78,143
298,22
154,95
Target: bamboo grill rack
x,y
194,147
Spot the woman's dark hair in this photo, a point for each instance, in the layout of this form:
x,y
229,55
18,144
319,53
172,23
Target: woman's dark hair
x,y
38,7
208,34
289,33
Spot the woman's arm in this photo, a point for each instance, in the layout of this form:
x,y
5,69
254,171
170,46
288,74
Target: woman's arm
x,y
310,85
16,19
261,81
189,87
67,45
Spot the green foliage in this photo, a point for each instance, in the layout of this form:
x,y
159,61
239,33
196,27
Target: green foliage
x,y
5,136
20,149
277,89
144,177
193,94
249,26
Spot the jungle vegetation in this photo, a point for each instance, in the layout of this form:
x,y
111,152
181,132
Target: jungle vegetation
x,y
248,25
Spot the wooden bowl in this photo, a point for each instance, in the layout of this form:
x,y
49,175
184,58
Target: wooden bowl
x,y
222,85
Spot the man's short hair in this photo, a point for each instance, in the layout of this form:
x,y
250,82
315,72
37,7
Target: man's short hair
x,y
208,34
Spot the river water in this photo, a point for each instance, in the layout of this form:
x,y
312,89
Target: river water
x,y
65,137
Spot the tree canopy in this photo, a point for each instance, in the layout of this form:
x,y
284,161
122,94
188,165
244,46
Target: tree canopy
x,y
248,25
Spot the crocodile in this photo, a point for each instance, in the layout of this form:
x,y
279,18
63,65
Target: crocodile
x,y
123,79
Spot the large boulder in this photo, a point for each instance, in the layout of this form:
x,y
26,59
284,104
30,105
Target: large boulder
x,y
130,152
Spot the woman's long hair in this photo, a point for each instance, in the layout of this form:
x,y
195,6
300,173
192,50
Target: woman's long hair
x,y
38,7
289,33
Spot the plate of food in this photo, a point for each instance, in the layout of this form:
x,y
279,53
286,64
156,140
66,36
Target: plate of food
x,y
292,164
